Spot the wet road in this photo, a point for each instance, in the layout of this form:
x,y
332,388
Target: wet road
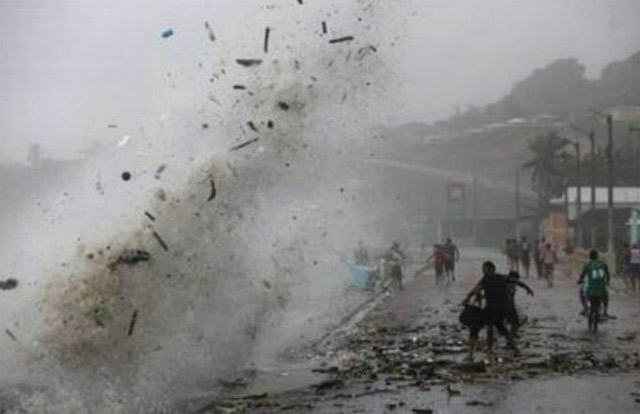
x,y
406,355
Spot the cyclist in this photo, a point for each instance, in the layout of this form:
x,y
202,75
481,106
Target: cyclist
x,y
597,274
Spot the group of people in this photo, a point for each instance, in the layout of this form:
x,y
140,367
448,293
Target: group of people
x,y
444,258
630,259
543,253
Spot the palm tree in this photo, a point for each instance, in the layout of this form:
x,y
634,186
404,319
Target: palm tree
x,y
549,167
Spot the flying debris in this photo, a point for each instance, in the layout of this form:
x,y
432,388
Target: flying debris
x,y
252,126
8,284
244,144
284,106
267,32
162,243
160,170
126,175
134,256
213,193
167,33
212,36
324,27
132,323
151,217
341,39
248,62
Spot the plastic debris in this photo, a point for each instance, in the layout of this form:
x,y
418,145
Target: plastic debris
x,y
267,32
126,175
167,33
244,144
132,323
213,193
8,284
162,243
341,39
248,62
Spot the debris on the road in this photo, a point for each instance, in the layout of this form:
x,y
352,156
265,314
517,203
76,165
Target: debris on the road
x,y
205,126
237,383
270,124
341,39
452,392
112,126
476,403
126,175
162,243
248,62
213,192
160,170
132,323
332,384
244,144
134,256
8,284
324,27
149,215
267,33
212,36
422,410
167,33
284,106
239,87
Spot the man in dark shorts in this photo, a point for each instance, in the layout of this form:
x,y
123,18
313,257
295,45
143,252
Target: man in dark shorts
x,y
494,286
452,255
513,281
597,274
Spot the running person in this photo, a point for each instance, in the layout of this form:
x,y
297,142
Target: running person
x,y
549,260
439,259
513,318
452,255
525,256
597,274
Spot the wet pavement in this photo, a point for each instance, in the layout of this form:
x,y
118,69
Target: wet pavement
x,y
407,355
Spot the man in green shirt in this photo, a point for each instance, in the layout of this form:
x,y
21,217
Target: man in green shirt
x,y
597,274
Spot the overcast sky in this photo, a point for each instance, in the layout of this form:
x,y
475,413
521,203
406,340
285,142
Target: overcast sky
x,y
67,66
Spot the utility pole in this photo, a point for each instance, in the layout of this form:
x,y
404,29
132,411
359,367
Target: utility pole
x,y
517,221
579,200
475,210
594,220
610,223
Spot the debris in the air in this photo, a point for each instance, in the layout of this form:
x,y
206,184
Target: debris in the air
x,y
475,403
341,39
270,124
113,126
132,323
160,170
8,284
422,410
324,27
284,106
134,256
212,36
252,126
248,62
267,32
126,176
151,217
239,87
244,144
124,141
162,243
205,126
300,1
213,193
10,335
167,33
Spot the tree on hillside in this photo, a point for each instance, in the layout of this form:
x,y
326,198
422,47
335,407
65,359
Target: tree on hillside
x,y
548,167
